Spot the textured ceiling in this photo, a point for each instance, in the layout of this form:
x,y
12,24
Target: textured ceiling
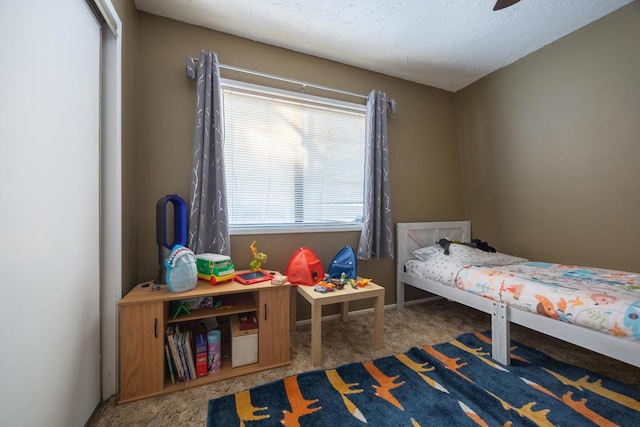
x,y
447,44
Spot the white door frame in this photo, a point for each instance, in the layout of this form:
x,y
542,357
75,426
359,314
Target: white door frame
x,y
111,196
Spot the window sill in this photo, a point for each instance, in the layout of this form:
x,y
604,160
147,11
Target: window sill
x,y
294,229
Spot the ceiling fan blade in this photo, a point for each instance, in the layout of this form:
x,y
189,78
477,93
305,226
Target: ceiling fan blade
x,y
501,4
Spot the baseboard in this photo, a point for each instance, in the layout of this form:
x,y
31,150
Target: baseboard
x,y
368,310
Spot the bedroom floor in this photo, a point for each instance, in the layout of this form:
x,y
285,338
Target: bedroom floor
x,y
420,324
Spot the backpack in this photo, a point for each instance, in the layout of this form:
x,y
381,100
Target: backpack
x,y
304,268
346,262
182,273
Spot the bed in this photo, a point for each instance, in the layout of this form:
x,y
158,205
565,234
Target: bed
x,y
592,308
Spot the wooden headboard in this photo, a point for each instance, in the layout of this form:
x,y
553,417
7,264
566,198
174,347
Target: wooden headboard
x,y
414,235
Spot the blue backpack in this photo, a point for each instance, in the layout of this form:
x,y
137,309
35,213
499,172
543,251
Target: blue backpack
x,y
346,262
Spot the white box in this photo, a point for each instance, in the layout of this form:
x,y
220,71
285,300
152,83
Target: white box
x,y
244,344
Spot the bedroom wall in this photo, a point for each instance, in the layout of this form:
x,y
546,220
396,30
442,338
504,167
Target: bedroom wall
x,y
550,148
425,170
129,17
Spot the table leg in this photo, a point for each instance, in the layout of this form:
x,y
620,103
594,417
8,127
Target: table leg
x,y
316,334
345,311
378,323
293,309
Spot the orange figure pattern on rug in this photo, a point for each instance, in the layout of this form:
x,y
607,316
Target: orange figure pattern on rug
x,y
299,405
386,384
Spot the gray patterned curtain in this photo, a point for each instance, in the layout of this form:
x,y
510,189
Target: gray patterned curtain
x,y
208,226
376,240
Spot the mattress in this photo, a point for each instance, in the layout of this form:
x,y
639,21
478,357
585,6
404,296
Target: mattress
x,y
604,300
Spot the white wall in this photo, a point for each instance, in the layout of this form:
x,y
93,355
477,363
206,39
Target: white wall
x,y
49,213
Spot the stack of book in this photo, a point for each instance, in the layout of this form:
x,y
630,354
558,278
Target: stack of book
x,y
183,346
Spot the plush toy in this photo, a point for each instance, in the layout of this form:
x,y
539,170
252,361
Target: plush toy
x,y
258,258
483,246
475,243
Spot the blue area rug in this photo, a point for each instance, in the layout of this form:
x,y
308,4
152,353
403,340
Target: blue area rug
x,y
450,384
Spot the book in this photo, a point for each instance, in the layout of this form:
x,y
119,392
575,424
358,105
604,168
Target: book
x,y
201,355
179,337
189,354
173,349
169,363
247,321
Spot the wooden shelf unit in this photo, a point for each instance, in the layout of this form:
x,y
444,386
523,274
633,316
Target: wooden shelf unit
x,y
145,314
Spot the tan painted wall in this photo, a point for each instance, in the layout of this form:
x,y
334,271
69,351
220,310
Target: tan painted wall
x,y
129,17
425,171
550,148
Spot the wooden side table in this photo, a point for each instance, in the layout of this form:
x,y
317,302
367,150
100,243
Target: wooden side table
x,y
318,299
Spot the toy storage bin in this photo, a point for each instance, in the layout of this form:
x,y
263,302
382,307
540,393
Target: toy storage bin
x,y
244,344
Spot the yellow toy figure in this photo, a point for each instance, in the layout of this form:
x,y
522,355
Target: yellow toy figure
x,y
258,258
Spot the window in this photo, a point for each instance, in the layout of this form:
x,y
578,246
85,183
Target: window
x,y
293,162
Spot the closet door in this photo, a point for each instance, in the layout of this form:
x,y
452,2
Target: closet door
x,y
50,217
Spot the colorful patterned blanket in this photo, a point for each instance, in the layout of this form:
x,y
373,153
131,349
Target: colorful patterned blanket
x,y
603,300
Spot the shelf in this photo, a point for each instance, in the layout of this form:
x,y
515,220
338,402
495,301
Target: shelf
x,y
233,304
225,372
145,313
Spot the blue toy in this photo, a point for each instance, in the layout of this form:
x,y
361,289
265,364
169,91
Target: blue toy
x,y
345,262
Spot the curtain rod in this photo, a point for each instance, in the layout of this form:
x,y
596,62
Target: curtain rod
x,y
287,80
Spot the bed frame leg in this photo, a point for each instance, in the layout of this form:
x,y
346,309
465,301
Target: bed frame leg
x,y
500,334
399,295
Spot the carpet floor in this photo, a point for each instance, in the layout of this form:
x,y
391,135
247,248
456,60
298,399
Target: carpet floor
x,y
344,342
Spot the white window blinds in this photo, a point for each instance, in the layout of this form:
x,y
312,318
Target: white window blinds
x,y
292,161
